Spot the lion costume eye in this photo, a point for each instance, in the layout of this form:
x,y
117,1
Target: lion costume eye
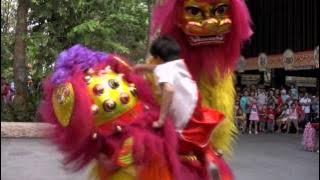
x,y
220,10
113,83
194,10
109,105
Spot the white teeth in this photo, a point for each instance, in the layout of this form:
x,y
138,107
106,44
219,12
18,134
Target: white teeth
x,y
201,39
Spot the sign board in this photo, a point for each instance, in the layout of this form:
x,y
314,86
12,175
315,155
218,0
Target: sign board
x,y
287,60
248,79
302,81
316,57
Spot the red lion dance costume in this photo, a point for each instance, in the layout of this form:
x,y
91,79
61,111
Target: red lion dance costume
x,y
99,106
210,33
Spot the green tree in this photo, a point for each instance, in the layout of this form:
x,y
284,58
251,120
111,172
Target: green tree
x,y
114,26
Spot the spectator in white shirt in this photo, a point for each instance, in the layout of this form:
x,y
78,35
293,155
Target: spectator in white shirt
x,y
294,92
284,96
261,98
305,103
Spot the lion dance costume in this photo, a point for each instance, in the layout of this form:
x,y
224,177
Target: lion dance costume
x,y
210,33
99,106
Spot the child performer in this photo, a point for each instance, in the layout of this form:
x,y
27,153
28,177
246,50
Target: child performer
x,y
179,94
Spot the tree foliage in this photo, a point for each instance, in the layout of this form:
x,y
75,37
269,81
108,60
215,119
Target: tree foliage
x,y
108,25
114,26
8,22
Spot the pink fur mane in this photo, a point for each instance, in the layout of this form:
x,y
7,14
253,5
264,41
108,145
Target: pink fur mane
x,y
204,58
79,149
75,140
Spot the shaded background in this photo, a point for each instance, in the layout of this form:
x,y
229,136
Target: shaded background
x,y
279,25
282,24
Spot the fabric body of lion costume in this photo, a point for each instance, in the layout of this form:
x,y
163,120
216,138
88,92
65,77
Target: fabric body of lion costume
x,y
99,106
210,34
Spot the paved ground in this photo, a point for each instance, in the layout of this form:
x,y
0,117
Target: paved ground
x,y
273,157
262,157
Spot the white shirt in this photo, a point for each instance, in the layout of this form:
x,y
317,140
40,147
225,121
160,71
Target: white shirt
x,y
185,96
294,93
262,98
305,108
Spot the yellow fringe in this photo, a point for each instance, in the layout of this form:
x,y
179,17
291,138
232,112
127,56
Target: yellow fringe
x,y
97,173
219,94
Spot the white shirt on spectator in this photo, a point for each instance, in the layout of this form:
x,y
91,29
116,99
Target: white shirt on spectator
x,y
294,93
185,96
261,99
303,102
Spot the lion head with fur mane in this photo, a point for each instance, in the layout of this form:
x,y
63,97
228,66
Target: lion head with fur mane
x,y
210,32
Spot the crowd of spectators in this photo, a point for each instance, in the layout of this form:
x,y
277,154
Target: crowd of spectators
x,y
268,110
7,91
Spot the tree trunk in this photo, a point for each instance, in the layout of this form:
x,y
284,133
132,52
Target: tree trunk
x,y
19,64
149,3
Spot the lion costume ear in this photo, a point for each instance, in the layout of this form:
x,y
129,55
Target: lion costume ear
x,y
63,103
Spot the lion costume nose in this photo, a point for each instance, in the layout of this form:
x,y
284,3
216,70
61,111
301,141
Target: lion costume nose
x,y
210,24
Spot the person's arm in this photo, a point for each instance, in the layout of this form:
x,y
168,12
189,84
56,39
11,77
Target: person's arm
x,y
144,67
167,95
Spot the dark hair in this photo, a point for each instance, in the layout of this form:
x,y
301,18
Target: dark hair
x,y
166,48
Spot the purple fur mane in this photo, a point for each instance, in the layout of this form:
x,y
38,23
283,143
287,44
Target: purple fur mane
x,y
73,58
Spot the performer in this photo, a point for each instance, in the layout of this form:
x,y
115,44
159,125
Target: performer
x,y
99,106
179,90
210,34
101,110
180,97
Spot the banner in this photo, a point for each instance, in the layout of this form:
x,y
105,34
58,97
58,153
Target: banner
x,y
262,62
302,81
248,79
288,59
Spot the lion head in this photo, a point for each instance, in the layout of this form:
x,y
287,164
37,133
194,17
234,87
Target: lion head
x,y
210,32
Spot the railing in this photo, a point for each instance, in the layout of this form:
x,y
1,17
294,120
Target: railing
x,y
24,130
